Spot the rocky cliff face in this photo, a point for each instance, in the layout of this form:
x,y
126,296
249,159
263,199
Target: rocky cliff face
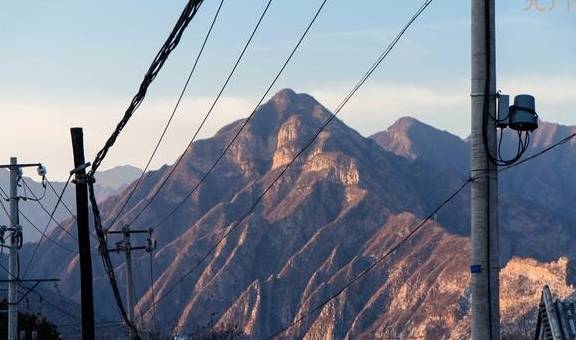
x,y
336,210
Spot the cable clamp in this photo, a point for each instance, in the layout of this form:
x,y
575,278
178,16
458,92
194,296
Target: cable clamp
x,y
84,179
80,168
484,95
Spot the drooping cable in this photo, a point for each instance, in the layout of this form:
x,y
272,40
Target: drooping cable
x,y
483,172
365,77
5,197
207,115
169,122
51,214
51,218
380,259
106,260
169,45
540,153
497,159
34,197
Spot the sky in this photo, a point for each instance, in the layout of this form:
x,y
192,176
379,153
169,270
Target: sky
x,y
72,63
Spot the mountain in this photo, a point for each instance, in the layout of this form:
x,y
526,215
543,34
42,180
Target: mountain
x,y
116,179
110,182
338,209
536,198
413,139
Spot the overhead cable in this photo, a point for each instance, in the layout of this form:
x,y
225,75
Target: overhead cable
x,y
51,218
169,45
137,184
207,115
244,123
306,146
188,13
378,261
5,197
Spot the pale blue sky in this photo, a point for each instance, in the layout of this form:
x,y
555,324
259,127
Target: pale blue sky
x,y
66,63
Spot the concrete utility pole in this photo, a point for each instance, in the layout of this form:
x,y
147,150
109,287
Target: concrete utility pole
x,y
485,267
15,237
129,279
13,257
126,246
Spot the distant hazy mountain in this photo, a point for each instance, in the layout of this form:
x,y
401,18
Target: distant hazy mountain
x,y
338,209
109,183
113,181
413,139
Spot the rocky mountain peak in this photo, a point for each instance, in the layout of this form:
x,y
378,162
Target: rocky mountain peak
x,y
284,98
397,137
413,139
284,104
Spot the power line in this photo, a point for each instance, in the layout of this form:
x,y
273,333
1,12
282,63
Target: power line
x,y
540,153
484,172
33,290
46,235
188,13
376,263
416,229
245,122
35,198
169,45
135,186
51,214
66,206
58,195
308,144
106,261
224,86
51,218
5,195
54,305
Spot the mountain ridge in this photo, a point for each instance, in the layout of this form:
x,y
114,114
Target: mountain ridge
x,y
334,213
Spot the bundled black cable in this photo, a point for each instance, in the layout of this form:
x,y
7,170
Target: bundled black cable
x,y
169,45
308,144
105,255
523,136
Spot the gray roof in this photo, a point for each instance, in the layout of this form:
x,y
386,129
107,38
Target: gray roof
x,y
556,318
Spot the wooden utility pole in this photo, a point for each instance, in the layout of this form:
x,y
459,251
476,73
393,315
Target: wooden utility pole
x,y
83,234
485,308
